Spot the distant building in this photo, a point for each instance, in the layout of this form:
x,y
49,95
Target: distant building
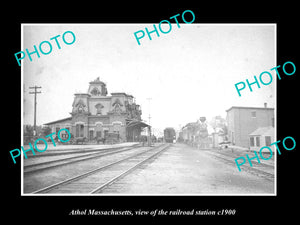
x,y
94,115
188,132
242,121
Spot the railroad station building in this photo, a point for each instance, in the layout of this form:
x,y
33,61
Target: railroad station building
x,y
95,114
244,121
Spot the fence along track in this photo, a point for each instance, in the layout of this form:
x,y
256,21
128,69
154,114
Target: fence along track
x,y
65,161
97,188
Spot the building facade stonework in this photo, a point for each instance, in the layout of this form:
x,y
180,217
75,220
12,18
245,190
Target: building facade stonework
x,y
95,114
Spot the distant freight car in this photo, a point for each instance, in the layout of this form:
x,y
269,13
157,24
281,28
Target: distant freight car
x,y
169,134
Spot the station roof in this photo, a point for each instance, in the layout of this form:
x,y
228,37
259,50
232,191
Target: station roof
x,y
247,107
263,131
137,124
58,121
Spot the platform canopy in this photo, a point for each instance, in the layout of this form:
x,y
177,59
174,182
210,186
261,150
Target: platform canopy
x,y
137,124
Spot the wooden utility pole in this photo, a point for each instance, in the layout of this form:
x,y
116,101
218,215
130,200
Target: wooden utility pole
x,y
34,92
149,128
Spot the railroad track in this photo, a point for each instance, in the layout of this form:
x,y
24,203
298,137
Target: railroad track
x,y
72,151
94,181
36,167
258,172
242,154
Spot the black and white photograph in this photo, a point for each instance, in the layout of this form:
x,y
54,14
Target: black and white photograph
x,y
129,109
145,114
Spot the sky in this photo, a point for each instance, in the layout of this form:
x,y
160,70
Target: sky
x,y
188,73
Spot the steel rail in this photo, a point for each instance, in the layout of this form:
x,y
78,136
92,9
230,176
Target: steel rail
x,y
240,155
72,151
252,170
73,159
103,186
81,176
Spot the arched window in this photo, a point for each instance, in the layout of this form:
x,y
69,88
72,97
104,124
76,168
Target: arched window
x,y
99,108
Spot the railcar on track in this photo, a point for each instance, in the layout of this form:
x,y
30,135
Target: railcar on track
x,y
169,135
